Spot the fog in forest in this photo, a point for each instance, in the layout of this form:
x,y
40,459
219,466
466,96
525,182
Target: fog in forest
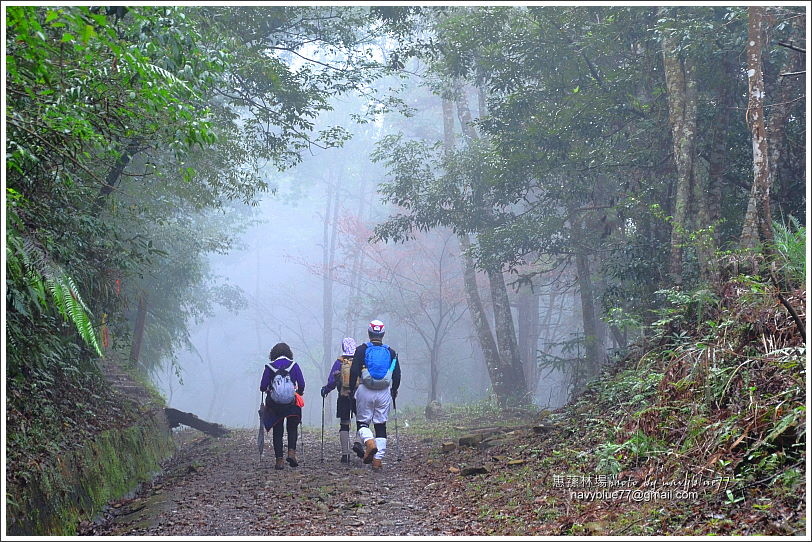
x,y
279,267
279,264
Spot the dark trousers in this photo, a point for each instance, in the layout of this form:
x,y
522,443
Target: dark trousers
x,y
293,434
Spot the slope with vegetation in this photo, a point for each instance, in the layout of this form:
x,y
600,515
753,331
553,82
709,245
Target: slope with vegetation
x,y
699,430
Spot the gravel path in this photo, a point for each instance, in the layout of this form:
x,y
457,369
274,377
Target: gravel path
x,y
218,487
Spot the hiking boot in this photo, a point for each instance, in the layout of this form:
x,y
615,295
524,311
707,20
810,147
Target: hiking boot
x,y
280,463
376,464
370,451
345,458
358,448
292,458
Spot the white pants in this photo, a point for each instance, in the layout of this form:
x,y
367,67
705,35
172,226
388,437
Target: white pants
x,y
371,407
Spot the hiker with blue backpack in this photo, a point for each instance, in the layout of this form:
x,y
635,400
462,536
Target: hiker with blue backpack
x,y
377,366
284,383
339,377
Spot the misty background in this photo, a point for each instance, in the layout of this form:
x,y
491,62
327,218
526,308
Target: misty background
x,y
295,238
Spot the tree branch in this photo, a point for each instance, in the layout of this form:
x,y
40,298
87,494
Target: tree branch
x,y
791,46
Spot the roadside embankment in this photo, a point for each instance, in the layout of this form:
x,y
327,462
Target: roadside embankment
x,y
74,486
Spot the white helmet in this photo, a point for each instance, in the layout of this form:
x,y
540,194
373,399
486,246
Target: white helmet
x,y
376,328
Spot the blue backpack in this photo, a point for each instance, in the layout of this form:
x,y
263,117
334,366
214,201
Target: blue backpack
x,y
378,366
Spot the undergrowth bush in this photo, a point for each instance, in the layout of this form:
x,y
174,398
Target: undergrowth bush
x,y
722,390
790,244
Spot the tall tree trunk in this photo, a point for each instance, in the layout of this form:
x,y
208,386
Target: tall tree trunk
x,y
785,92
482,102
681,86
464,114
503,318
496,369
214,394
114,175
433,372
592,342
757,220
448,126
257,331
328,257
353,306
506,333
527,315
706,243
500,375
717,162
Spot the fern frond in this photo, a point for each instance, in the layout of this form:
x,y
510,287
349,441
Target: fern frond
x,y
72,308
30,265
167,75
75,292
58,296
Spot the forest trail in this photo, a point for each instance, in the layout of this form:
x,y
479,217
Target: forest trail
x,y
218,487
523,480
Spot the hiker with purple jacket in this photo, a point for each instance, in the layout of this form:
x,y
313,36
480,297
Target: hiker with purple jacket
x,y
283,381
339,377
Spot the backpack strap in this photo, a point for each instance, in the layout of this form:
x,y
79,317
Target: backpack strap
x,y
274,370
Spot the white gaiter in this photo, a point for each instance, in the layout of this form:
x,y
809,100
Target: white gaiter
x,y
381,443
364,434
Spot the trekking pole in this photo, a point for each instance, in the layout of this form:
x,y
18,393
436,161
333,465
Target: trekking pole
x,y
322,429
397,438
301,435
261,434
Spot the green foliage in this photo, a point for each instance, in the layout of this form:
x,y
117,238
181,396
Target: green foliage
x,y
639,446
127,149
111,82
790,243
576,131
29,275
642,446
71,306
685,308
631,387
607,458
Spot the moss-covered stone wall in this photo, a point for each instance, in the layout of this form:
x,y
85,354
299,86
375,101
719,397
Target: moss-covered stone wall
x,y
75,486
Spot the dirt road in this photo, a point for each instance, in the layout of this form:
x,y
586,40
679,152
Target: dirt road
x,y
218,487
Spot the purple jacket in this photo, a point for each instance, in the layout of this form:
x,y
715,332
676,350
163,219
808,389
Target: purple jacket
x,y
295,375
335,371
